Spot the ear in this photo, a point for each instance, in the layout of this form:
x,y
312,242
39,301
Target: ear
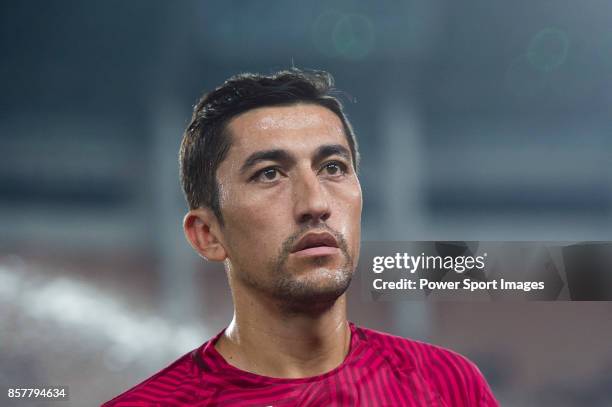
x,y
203,232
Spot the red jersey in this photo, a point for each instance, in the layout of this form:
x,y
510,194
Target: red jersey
x,y
379,370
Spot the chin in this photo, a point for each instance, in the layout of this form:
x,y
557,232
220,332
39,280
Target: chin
x,y
320,285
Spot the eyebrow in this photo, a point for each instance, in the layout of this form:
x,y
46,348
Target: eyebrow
x,y
284,156
331,149
265,155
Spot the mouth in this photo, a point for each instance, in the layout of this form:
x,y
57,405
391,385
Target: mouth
x,y
316,244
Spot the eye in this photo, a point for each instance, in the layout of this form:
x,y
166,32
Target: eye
x,y
268,174
334,168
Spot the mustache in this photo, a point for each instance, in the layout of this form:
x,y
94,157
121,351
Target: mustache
x,y
291,240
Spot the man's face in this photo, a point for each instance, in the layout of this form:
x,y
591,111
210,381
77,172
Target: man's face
x,y
291,204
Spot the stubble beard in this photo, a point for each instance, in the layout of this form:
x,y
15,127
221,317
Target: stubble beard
x,y
296,292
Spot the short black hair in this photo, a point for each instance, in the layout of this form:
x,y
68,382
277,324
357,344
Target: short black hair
x,y
206,142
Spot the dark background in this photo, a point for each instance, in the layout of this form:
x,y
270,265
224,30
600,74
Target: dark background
x,y
477,120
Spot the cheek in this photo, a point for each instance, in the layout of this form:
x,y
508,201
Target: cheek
x,y
358,201
238,206
356,221
253,223
355,241
252,211
349,205
350,218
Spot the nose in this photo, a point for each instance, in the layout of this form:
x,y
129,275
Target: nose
x,y
310,199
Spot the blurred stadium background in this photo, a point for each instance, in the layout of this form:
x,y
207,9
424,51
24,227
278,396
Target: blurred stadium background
x,y
477,120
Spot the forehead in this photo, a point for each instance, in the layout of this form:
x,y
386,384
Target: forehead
x,y
290,127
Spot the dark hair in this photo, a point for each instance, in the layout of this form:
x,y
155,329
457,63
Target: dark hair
x,y
206,142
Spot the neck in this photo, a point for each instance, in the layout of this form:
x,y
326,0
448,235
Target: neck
x,y
264,339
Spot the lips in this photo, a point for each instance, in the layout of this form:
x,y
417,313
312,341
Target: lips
x,y
317,243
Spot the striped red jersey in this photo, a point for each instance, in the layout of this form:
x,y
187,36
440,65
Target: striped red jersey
x,y
379,370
